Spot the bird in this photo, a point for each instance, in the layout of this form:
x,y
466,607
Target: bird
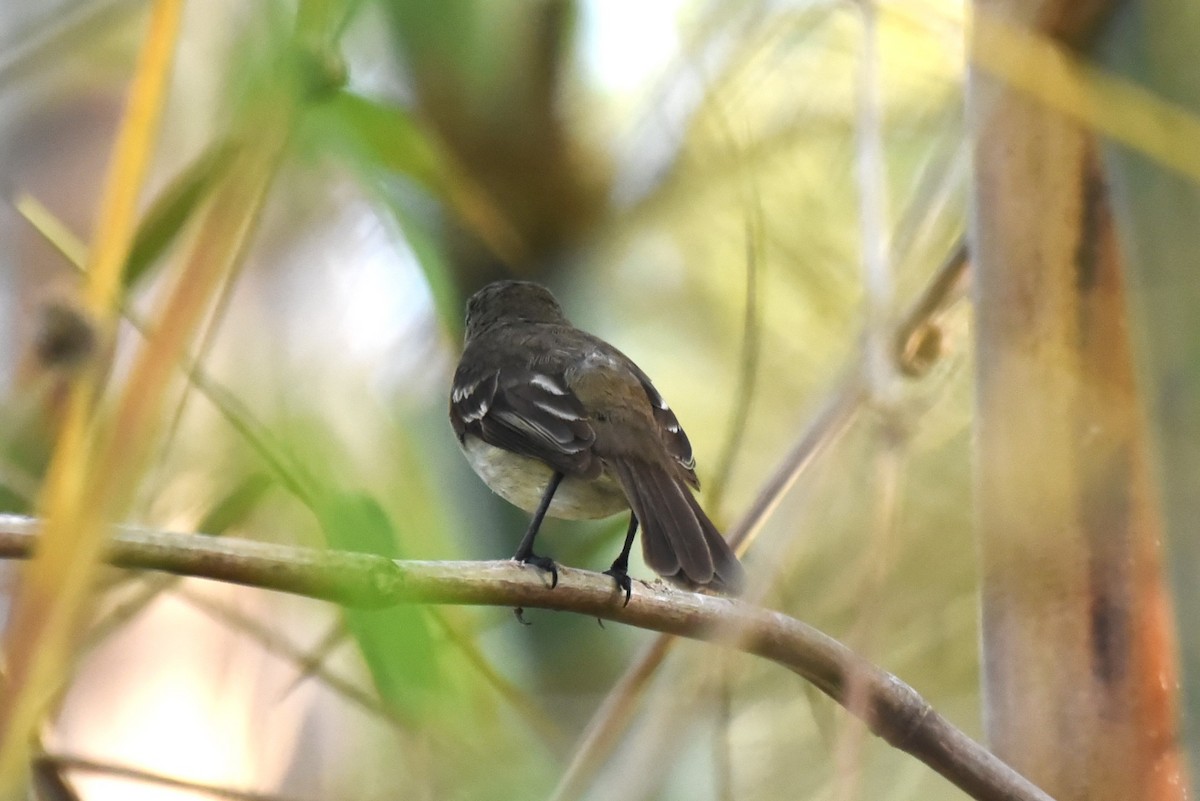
x,y
559,422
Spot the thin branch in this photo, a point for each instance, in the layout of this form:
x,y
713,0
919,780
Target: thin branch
x,y
57,33
533,715
918,342
893,710
822,432
751,345
878,282
619,706
76,763
610,719
288,473
47,783
882,379
920,325
310,666
274,643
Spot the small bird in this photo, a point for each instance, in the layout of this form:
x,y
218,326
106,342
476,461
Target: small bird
x,y
557,421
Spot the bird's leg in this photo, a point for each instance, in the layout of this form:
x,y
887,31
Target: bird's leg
x,y
620,568
525,549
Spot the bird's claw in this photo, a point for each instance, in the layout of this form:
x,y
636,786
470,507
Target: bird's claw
x,y
543,562
623,581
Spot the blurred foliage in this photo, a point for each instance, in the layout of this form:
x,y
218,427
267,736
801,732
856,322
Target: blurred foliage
x,y
436,146
167,215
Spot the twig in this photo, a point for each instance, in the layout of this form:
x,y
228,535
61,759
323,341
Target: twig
x,y
150,777
751,345
878,282
918,341
881,377
619,706
273,643
55,33
846,400
893,710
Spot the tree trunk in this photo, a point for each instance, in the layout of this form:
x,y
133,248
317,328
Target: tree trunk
x,y
1078,654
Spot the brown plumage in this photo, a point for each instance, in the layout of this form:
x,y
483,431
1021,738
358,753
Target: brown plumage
x,y
551,416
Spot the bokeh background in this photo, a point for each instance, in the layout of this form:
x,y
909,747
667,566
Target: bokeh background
x,y
683,175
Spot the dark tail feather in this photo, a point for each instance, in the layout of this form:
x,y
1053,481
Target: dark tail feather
x,y
679,542
729,576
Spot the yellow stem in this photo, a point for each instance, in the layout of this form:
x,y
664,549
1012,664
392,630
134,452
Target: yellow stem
x,y
52,596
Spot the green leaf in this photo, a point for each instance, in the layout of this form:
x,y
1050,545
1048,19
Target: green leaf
x,y
379,142
396,643
232,509
173,207
377,136
438,273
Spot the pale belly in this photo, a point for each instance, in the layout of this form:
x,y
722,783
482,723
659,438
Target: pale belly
x,y
522,481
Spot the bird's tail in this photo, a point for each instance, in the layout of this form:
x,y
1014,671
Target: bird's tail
x,y
679,542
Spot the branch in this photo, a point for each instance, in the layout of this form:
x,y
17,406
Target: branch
x,y
893,710
48,763
918,346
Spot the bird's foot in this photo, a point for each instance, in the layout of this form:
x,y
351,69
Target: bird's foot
x,y
621,576
544,562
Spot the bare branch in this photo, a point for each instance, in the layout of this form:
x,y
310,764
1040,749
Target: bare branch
x,y
892,710
58,762
918,339
918,346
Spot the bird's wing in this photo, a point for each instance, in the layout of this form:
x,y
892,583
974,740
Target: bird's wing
x,y
673,436
527,412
